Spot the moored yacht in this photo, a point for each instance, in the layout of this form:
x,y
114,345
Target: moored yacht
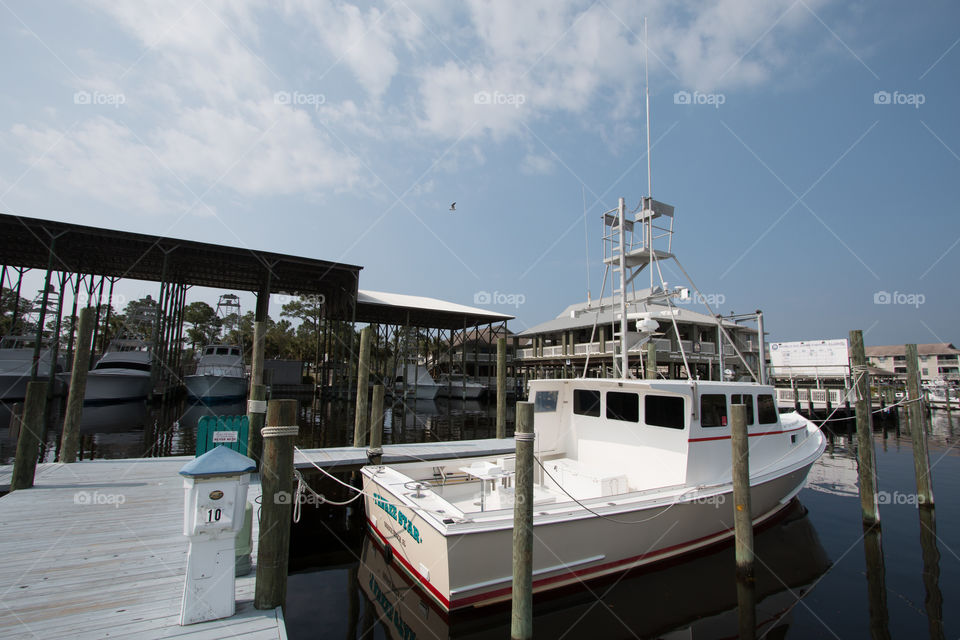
x,y
415,381
455,385
220,374
16,363
121,374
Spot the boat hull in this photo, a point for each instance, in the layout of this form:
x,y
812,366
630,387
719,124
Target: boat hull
x,y
455,391
474,568
420,391
13,387
210,387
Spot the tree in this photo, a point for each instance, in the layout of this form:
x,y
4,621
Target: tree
x,y
309,311
204,325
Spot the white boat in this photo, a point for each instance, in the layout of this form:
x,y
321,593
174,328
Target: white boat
x,y
652,454
220,374
16,363
419,383
122,373
455,385
628,472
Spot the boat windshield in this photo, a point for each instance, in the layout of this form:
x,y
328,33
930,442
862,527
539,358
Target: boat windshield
x,y
139,366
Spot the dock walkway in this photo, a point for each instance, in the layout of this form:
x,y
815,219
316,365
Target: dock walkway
x,y
351,458
96,549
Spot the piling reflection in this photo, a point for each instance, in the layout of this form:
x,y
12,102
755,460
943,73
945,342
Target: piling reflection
x,y
695,598
746,609
876,583
931,572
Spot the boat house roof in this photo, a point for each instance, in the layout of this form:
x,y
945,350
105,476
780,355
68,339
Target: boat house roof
x,y
400,309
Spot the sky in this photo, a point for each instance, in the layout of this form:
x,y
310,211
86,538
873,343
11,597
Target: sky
x,y
811,147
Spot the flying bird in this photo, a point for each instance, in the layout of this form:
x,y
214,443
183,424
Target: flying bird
x,y
453,206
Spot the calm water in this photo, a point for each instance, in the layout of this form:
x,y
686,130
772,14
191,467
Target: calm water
x,y
813,578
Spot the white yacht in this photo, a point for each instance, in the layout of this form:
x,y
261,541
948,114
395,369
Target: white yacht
x,y
16,363
220,374
415,381
628,472
122,373
456,385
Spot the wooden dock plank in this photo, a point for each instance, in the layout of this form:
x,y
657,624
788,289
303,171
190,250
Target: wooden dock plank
x,y
349,458
111,562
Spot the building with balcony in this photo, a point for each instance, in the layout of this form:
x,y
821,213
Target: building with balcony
x,y
937,361
585,337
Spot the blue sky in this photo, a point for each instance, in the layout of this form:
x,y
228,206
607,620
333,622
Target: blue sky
x,y
344,132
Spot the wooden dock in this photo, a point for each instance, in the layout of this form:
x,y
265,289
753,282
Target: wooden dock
x,y
352,458
96,549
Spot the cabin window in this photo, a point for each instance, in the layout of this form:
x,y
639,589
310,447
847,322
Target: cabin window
x,y
586,402
545,401
209,351
234,352
623,406
663,411
744,399
222,351
766,409
713,410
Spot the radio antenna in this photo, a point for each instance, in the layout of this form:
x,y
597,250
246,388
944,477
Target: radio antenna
x,y
646,75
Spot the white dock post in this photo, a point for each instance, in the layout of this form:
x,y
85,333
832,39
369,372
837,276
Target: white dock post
x,y
215,497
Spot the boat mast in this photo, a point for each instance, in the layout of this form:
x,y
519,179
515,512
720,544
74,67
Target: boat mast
x,y
624,358
648,226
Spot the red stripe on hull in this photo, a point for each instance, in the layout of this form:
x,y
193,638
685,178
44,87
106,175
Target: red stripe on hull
x,y
570,576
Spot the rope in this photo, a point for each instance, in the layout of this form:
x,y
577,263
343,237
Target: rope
x,y
278,432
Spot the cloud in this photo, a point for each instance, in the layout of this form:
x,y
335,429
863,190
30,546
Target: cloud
x,y
199,78
533,164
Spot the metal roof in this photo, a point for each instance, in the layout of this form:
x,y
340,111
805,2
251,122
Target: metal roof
x,y
25,242
397,308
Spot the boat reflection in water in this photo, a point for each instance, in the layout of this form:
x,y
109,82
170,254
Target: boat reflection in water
x,y
114,417
693,599
194,411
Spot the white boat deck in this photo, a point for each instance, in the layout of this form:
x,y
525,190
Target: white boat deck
x,y
113,568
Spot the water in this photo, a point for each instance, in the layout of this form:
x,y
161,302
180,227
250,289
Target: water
x,y
814,578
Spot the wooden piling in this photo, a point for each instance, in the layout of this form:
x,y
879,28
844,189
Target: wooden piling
x,y
742,520
361,423
16,419
746,609
257,402
375,452
796,396
501,387
31,430
276,479
918,435
70,440
866,468
521,619
651,361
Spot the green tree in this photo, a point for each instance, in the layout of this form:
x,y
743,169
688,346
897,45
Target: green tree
x,y
203,325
